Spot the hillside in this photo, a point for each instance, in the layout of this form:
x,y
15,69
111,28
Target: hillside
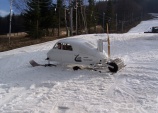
x,y
26,89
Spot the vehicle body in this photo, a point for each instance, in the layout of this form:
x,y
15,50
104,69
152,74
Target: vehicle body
x,y
153,30
77,51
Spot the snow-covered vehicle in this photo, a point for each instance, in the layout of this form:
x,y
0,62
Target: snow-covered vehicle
x,y
153,30
81,53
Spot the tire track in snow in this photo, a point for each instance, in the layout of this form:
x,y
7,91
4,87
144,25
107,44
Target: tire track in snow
x,y
38,96
10,96
85,91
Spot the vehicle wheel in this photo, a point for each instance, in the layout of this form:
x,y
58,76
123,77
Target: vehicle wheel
x,y
75,68
115,69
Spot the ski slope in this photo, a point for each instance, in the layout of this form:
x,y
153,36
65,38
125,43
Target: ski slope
x,y
145,26
26,89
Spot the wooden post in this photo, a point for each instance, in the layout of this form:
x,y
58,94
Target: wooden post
x,y
108,41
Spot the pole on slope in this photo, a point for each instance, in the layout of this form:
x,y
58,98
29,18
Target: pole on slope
x,y
108,41
71,17
76,18
103,21
116,22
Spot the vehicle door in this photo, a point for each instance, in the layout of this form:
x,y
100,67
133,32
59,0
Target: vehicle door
x,y
56,52
67,53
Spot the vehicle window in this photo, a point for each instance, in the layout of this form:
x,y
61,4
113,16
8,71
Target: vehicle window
x,y
58,46
68,47
63,46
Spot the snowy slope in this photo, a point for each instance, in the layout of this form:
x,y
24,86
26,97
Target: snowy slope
x,y
145,26
26,89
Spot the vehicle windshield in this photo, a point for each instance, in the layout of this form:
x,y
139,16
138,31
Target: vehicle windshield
x,y
63,46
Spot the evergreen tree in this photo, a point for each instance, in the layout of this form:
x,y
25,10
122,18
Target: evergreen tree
x,y
78,6
4,24
54,17
60,14
45,13
81,17
32,18
109,14
91,14
37,17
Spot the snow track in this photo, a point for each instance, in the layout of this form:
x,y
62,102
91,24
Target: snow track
x,y
134,89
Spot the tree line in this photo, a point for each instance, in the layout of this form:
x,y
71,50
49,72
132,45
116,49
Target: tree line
x,y
17,24
41,17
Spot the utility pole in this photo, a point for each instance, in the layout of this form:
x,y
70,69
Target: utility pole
x,y
67,30
116,22
103,21
84,17
76,17
66,24
37,24
123,26
71,18
107,26
85,22
10,24
59,21
141,16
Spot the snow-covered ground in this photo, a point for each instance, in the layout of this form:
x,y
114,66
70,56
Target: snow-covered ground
x,y
145,26
26,89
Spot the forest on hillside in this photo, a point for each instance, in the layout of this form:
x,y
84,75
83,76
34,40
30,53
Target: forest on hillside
x,y
76,16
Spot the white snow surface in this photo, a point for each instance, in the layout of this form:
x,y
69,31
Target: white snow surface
x,y
145,26
134,89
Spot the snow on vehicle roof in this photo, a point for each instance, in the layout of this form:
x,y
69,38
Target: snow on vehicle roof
x,y
77,41
74,40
